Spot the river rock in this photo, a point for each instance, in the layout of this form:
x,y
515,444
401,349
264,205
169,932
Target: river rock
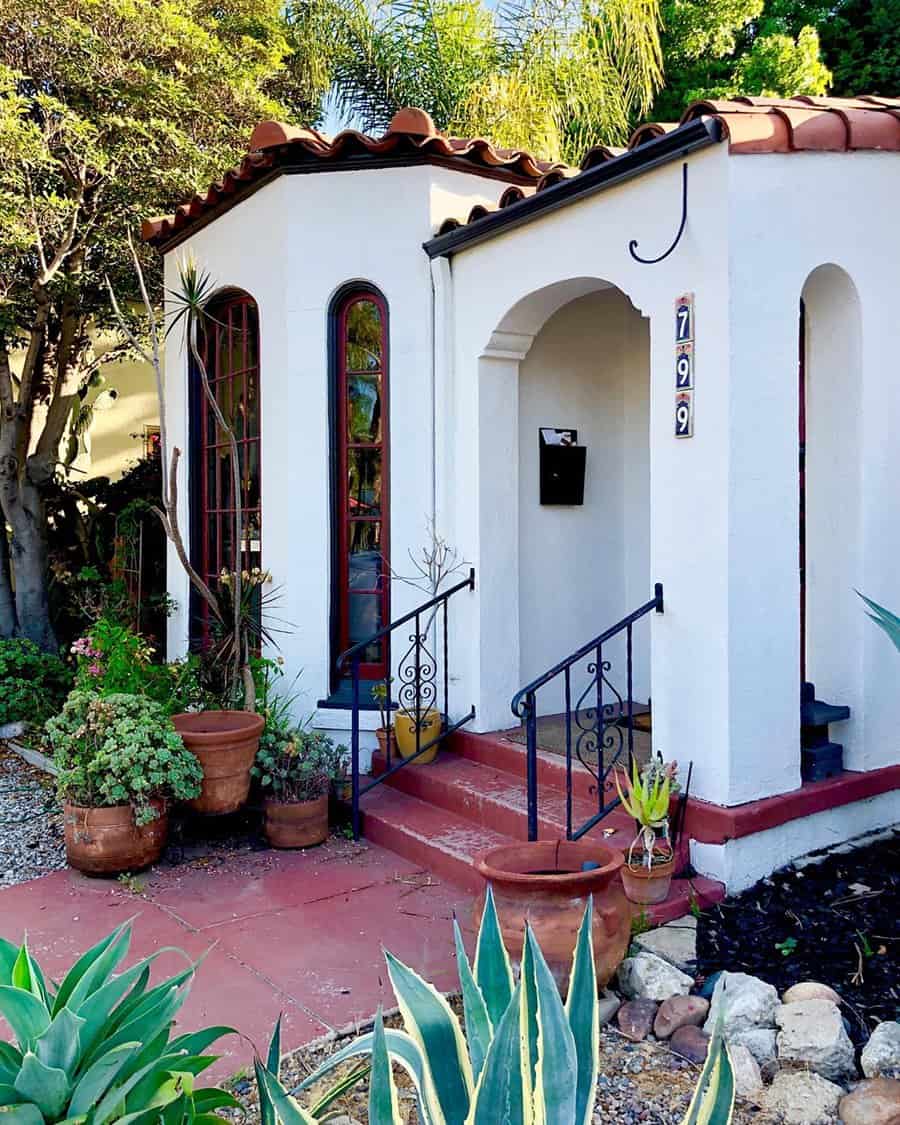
x,y
636,1019
876,1101
648,977
607,1006
810,990
691,1043
748,1081
881,1055
759,1041
675,942
813,1033
744,1001
803,1098
678,1011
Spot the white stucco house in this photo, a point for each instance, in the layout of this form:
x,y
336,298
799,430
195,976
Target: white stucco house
x,y
675,365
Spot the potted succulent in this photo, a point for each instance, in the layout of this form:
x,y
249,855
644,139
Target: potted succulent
x,y
385,733
119,763
295,769
342,776
650,860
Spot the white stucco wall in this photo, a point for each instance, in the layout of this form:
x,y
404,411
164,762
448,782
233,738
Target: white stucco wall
x,y
790,214
292,245
504,291
588,368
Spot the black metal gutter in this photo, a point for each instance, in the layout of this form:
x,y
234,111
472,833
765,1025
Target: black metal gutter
x,y
687,138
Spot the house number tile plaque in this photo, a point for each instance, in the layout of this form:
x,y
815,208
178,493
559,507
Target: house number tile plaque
x,y
684,366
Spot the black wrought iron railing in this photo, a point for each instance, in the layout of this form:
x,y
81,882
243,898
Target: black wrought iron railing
x,y
599,728
422,702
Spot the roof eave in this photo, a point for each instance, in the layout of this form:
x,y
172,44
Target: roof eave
x,y
687,138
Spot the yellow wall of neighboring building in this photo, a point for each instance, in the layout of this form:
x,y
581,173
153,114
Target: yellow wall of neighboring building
x,y
115,439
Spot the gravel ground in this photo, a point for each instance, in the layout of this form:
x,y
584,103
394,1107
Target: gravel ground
x,y
639,1084
31,829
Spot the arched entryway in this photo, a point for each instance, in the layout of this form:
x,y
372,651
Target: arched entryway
x,y
831,396
573,357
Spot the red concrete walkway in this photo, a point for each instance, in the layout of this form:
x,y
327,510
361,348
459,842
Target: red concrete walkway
x,y
295,932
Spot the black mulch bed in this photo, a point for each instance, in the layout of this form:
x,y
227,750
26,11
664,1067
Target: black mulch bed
x,y
835,922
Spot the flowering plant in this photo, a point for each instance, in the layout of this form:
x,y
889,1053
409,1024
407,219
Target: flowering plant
x,y
112,658
120,749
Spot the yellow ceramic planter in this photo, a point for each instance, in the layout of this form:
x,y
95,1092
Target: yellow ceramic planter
x,y
405,733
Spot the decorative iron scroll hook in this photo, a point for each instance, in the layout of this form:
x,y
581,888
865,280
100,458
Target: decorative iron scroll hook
x,y
632,245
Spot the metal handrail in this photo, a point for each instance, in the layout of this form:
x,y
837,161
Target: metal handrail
x,y
419,683
655,603
605,716
361,646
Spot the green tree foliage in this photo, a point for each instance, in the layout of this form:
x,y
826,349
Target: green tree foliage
x,y
110,110
553,76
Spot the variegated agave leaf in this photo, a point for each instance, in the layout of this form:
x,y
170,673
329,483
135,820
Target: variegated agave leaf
x,y
383,1109
581,1011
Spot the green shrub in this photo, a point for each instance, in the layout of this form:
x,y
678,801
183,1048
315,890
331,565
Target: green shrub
x,y
110,658
97,1048
526,1057
120,749
296,765
33,684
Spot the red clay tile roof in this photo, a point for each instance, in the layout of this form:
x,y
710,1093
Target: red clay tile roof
x,y
750,125
411,138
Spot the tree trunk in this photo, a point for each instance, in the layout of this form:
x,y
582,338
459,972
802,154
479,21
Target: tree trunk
x,y
7,598
30,564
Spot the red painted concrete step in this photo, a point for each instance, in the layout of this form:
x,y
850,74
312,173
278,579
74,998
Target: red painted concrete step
x,y
446,843
496,798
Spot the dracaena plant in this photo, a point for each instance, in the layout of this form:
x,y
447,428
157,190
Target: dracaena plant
x,y
526,1058
96,1049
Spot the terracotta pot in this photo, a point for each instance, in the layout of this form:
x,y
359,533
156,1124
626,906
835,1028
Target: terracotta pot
x,y
108,842
429,721
225,744
647,886
544,883
296,824
343,790
385,736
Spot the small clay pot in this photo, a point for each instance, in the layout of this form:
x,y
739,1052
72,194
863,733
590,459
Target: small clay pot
x,y
106,841
647,886
543,883
343,790
385,736
225,744
296,824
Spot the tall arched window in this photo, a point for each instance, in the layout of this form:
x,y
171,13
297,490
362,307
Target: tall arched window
x,y
230,346
360,595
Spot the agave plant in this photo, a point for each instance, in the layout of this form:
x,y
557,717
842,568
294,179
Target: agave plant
x,y
527,1058
646,800
884,619
96,1049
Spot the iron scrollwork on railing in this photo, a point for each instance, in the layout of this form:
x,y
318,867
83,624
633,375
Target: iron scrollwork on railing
x,y
424,683
599,728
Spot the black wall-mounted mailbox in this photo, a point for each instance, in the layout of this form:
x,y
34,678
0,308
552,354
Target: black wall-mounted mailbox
x,y
562,462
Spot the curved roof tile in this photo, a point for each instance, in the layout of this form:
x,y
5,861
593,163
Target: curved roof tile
x,y
750,125
411,135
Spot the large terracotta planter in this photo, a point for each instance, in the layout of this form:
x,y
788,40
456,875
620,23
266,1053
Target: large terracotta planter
x,y
296,824
225,744
108,842
647,886
429,721
543,883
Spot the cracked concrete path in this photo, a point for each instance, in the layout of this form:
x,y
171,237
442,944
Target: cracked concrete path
x,y
293,932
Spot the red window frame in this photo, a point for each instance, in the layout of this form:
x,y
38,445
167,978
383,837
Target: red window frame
x,y
348,511
231,334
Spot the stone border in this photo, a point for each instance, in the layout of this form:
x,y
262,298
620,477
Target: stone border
x,y
27,754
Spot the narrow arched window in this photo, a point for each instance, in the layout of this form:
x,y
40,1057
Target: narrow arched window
x,y
230,347
360,593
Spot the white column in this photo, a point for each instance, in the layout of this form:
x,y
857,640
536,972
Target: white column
x,y
497,567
